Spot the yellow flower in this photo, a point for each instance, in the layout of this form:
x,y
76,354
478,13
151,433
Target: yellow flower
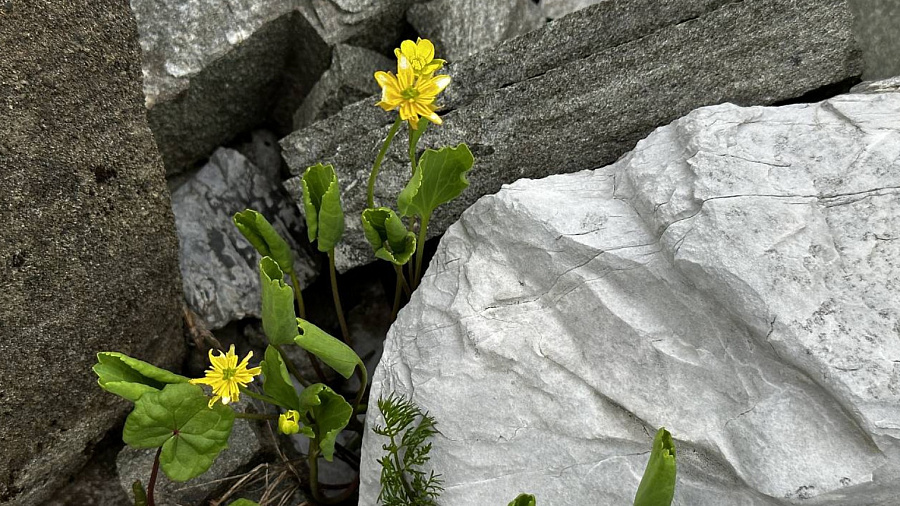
x,y
288,422
420,55
413,96
226,375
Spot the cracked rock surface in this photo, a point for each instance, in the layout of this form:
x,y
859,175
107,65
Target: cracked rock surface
x,y
582,90
734,278
220,269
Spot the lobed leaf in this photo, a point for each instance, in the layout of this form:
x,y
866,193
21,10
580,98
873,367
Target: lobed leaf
x,y
524,500
657,486
244,502
131,378
331,413
388,235
267,241
278,315
322,204
439,178
328,348
178,418
276,382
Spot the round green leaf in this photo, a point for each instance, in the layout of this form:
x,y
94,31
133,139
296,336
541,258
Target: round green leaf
x,y
278,315
322,204
276,382
439,178
657,486
331,413
524,500
178,419
129,377
267,241
328,348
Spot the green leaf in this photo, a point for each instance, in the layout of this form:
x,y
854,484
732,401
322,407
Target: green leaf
x,y
322,203
269,243
129,377
439,178
178,419
388,235
524,500
244,502
329,349
331,413
276,383
658,484
277,304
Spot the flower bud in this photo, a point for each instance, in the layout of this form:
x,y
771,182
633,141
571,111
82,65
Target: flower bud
x,y
288,423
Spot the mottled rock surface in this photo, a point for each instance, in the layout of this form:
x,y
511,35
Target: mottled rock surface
x,y
733,278
882,86
217,68
88,247
219,267
349,79
876,28
460,28
583,90
558,8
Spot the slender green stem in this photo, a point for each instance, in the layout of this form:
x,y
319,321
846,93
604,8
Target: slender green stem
x,y
292,367
256,416
402,280
399,465
261,397
298,296
398,291
378,159
420,249
337,299
412,150
363,383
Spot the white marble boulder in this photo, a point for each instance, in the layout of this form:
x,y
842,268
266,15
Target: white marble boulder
x,y
734,278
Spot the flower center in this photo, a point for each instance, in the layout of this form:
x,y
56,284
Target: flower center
x,y
228,373
410,93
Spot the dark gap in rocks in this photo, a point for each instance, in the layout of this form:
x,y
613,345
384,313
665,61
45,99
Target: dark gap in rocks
x,y
97,483
822,93
103,174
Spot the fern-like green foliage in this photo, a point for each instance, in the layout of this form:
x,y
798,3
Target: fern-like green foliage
x,y
403,480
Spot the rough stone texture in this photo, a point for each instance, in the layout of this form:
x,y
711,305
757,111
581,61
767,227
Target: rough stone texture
x,y
216,68
554,9
244,449
734,278
876,27
87,247
583,90
460,28
220,269
883,86
348,80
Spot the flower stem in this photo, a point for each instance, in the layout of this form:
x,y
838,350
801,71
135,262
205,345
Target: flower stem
x,y
298,296
420,249
413,140
378,159
337,299
363,383
260,397
292,368
152,484
398,291
256,416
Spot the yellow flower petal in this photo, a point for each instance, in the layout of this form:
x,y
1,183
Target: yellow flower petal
x,y
408,48
425,50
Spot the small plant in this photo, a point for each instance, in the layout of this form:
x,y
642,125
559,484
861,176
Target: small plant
x,y
403,481
189,427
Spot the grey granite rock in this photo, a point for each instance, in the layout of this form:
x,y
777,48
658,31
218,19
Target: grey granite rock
x,y
348,80
220,269
882,86
876,27
733,278
460,28
244,450
217,68
558,8
581,91
87,249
